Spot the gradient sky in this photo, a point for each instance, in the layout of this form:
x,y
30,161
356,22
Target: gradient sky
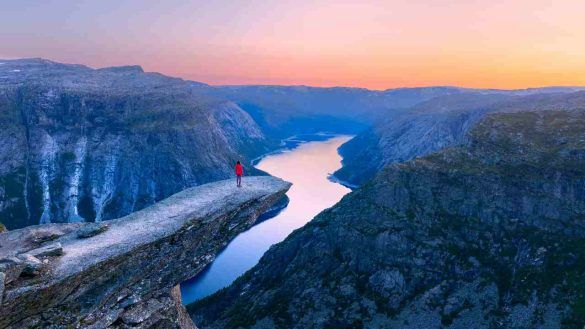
x,y
372,44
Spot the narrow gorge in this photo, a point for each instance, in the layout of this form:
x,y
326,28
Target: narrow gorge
x,y
489,234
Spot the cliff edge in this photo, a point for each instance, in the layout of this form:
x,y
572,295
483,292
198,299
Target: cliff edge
x,y
125,272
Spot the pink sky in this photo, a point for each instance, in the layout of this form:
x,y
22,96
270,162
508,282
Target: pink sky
x,y
372,44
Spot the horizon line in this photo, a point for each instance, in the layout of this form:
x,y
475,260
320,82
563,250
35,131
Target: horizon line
x,y
299,85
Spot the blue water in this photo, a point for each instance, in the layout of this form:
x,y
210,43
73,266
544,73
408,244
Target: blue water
x,y
307,165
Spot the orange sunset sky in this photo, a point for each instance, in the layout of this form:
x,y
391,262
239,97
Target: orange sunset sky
x,y
371,44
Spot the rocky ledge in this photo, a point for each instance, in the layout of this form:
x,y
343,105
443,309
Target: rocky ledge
x,y
125,272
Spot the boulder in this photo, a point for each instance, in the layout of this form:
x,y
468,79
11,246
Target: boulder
x,y
12,268
45,234
33,265
53,249
92,230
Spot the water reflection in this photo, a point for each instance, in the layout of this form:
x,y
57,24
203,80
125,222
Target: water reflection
x,y
307,167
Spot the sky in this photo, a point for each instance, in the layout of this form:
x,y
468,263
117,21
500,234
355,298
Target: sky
x,y
370,44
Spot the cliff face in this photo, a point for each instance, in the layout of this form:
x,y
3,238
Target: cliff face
x,y
438,123
83,144
124,273
486,235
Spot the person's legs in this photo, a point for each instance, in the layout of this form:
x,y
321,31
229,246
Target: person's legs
x,y
239,180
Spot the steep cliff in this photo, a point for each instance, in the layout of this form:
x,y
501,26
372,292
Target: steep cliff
x,y
83,144
124,273
486,235
438,123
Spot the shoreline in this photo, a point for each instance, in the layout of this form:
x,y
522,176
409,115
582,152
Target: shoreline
x,y
335,179
294,141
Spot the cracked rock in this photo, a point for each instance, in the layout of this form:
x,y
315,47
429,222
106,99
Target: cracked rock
x,y
12,268
140,312
53,249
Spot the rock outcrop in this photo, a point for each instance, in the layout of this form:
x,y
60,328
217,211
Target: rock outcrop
x,y
125,273
78,144
485,235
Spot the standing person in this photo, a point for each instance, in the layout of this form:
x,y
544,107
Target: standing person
x,y
239,173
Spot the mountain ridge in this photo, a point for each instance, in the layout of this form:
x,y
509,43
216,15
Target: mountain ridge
x,y
49,108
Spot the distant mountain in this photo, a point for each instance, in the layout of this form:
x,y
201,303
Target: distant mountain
x,y
438,123
393,125
84,144
488,234
288,110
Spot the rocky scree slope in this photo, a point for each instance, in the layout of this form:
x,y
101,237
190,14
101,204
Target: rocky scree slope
x,y
125,273
438,123
486,235
83,144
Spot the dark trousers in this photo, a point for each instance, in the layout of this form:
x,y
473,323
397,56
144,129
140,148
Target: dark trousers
x,y
239,180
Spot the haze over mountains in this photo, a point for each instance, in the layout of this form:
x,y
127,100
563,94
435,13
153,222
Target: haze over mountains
x,y
94,144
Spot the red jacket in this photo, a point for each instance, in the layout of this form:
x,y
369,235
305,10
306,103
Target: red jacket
x,y
239,170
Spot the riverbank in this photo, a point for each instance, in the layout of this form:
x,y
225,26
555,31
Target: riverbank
x,y
292,142
307,161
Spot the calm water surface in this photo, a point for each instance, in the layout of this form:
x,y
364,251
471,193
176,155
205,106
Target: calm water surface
x,y
307,167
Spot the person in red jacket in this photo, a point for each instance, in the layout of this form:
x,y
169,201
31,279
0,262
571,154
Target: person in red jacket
x,y
239,173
